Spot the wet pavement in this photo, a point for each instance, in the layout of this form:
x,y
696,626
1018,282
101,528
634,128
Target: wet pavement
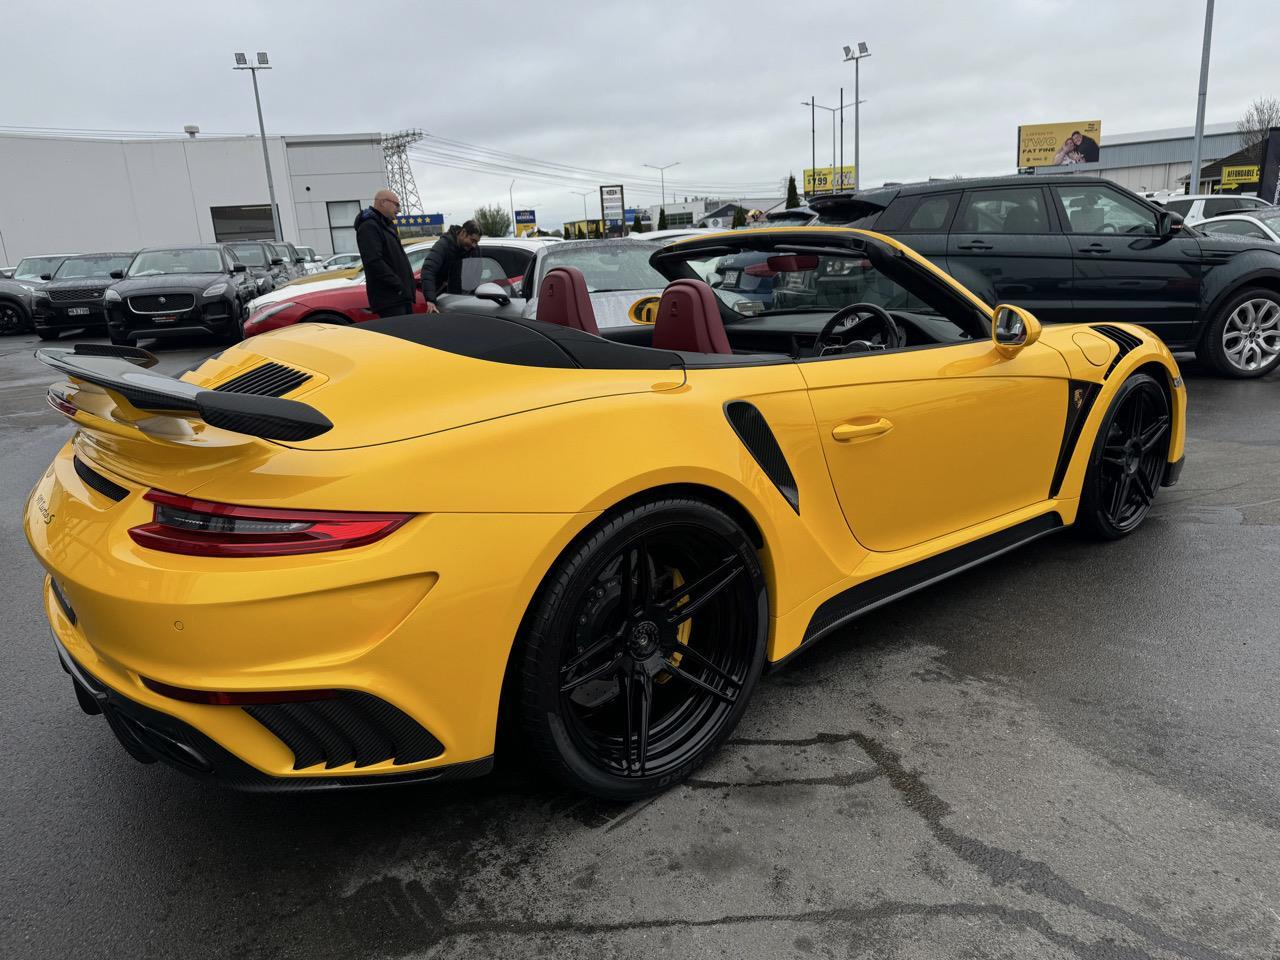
x,y
1068,752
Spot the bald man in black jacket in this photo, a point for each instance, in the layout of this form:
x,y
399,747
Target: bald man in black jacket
x,y
388,277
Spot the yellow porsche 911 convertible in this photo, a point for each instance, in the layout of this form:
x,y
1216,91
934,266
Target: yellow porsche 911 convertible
x,y
340,556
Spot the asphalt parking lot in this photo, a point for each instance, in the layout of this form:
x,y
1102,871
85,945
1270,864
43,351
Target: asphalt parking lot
x,y
1068,752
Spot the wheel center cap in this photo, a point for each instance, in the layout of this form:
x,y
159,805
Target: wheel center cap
x,y
644,638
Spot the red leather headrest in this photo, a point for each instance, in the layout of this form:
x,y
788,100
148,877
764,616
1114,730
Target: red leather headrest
x,y
563,299
689,319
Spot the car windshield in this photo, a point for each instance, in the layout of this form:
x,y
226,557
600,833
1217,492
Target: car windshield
x,y
153,263
251,253
98,266
33,268
1268,215
764,282
623,265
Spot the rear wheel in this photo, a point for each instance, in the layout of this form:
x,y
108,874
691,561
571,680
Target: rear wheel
x,y
1244,338
643,647
1127,462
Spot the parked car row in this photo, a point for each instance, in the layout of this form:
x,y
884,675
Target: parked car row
x,y
59,292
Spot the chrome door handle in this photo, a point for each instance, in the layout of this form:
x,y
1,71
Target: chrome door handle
x,y
845,432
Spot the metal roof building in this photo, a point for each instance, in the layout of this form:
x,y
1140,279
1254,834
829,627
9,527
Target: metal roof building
x,y
1155,159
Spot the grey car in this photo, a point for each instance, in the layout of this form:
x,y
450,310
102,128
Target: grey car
x,y
617,274
16,292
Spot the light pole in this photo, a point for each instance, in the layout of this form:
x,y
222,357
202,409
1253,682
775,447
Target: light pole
x,y
242,63
583,194
662,177
856,57
1193,181
511,200
811,104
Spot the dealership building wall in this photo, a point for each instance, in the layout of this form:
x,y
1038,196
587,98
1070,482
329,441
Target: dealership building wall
x,y
68,194
1155,159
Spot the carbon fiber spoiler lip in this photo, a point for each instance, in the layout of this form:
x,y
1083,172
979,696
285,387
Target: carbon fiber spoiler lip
x,y
270,418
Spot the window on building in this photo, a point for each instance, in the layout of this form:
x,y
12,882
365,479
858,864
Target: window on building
x,y
679,220
342,218
250,222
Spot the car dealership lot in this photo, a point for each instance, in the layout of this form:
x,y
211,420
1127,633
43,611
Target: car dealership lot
x,y
1066,752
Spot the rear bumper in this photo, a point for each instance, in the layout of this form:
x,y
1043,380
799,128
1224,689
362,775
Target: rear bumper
x,y
149,735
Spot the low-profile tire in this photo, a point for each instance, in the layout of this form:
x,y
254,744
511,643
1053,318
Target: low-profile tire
x,y
47,333
1243,339
1127,461
13,317
642,648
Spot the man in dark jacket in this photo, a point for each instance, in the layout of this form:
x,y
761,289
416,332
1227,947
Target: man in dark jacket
x,y
444,262
388,277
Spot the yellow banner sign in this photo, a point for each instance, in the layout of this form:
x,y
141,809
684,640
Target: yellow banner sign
x,y
1059,144
826,179
1244,173
523,228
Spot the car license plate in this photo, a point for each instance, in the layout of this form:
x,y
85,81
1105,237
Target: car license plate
x,y
731,277
166,319
77,311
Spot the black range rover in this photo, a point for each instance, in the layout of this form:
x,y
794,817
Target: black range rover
x,y
177,291
1083,249
71,298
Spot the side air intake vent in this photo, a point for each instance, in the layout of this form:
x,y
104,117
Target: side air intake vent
x,y
353,727
1124,340
269,380
753,430
96,481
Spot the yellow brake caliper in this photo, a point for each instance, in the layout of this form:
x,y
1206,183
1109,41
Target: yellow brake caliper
x,y
682,631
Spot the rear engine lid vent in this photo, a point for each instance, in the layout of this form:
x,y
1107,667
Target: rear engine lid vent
x,y
269,380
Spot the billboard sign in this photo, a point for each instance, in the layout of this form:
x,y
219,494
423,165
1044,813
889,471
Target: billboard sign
x,y
827,180
526,222
1240,173
1059,144
420,220
613,211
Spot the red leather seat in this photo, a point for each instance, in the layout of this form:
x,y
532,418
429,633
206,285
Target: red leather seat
x,y
689,319
563,300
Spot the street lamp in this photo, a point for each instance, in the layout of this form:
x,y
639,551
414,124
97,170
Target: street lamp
x,y
242,63
662,179
584,194
511,200
811,104
856,57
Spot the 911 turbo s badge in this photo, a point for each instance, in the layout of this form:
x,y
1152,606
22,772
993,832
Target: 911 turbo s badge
x,y
43,507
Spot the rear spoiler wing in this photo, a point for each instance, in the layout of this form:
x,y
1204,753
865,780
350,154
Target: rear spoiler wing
x,y
124,371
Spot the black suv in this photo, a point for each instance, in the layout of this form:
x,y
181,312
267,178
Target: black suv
x,y
172,291
1082,249
72,295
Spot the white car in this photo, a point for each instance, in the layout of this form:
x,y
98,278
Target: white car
x,y
1201,206
670,236
1260,225
340,261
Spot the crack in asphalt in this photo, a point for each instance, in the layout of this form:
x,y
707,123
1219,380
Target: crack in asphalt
x,y
835,780
412,901
1006,867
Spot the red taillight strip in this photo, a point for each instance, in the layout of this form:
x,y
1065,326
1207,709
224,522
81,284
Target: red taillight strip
x,y
326,529
219,699
61,404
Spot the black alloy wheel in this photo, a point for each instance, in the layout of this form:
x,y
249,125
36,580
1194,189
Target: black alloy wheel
x,y
1128,460
644,647
13,318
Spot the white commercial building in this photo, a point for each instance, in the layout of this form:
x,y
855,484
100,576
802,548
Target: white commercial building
x,y
78,195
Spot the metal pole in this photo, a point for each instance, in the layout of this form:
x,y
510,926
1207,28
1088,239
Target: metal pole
x,y
842,136
833,151
511,200
662,188
1193,180
857,131
266,159
813,134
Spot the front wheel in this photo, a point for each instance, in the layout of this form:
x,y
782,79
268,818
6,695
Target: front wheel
x,y
1127,462
13,317
643,647
1244,338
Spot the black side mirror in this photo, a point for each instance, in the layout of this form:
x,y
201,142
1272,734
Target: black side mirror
x,y
276,261
1168,223
299,259
46,276
237,268
117,274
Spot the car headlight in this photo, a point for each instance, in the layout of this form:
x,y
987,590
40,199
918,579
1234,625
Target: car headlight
x,y
110,296
215,289
38,294
272,310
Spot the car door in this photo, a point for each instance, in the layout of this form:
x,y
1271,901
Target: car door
x,y
475,271
1124,269
1006,246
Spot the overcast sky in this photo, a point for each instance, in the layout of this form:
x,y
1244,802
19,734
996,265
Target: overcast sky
x,y
613,85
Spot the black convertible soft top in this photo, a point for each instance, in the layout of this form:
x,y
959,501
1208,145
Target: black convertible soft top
x,y
533,343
